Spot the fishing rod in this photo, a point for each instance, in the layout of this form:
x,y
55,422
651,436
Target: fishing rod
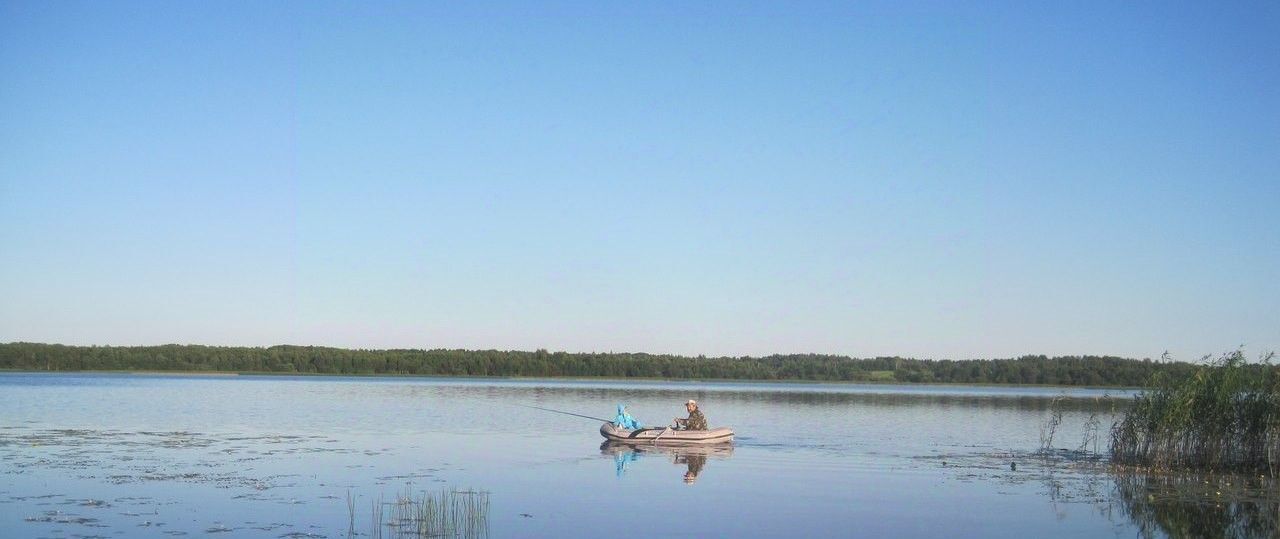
x,y
565,413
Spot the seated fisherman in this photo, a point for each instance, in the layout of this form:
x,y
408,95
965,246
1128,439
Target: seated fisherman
x,y
695,421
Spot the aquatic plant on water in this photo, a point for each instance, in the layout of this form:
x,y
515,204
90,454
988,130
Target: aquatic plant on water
x,y
1049,428
1224,416
1088,447
447,513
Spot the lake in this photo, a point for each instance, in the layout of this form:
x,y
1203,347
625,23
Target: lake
x,y
121,455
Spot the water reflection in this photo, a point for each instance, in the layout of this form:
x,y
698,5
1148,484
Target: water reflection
x,y
693,458
809,395
1155,505
1199,505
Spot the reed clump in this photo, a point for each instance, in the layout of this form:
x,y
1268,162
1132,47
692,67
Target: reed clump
x,y
1224,416
446,513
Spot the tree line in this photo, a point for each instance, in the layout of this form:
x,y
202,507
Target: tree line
x,y
1062,370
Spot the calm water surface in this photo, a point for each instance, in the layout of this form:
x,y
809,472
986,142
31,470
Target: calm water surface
x,y
162,456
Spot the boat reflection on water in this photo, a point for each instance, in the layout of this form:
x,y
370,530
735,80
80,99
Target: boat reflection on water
x,y
694,458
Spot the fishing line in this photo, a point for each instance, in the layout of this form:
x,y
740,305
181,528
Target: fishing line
x,y
565,413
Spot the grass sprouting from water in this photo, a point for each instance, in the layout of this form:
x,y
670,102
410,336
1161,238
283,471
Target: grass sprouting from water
x,y
1224,416
446,513
351,515
1050,428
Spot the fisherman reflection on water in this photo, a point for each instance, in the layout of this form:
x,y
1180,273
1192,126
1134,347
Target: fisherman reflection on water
x,y
694,462
693,459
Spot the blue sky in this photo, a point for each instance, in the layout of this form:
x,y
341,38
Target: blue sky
x,y
931,180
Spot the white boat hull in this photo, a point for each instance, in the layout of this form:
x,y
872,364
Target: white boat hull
x,y
667,435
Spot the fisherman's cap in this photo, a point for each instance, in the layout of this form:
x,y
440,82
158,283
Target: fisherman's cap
x,y
693,402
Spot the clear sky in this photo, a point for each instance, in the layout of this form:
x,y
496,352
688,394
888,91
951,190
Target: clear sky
x,y
931,180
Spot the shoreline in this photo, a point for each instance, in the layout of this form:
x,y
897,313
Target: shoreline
x,y
228,374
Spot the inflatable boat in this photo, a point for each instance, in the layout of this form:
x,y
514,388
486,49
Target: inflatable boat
x,y
717,451
667,435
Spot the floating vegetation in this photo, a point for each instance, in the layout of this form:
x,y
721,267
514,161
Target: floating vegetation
x,y
1224,416
445,513
58,517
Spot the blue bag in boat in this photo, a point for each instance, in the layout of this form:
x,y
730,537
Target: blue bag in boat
x,y
624,420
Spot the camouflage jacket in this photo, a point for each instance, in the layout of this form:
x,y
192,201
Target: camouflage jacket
x,y
696,421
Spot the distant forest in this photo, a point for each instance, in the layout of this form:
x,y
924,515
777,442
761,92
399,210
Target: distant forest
x,y
1066,370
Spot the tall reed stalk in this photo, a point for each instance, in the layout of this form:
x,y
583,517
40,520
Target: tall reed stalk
x,y
1049,428
1224,416
351,515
